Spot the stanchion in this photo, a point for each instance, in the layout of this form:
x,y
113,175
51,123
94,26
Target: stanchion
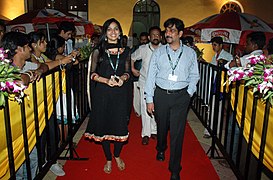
x,y
71,132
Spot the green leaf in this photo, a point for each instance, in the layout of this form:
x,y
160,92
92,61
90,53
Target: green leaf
x,y
252,81
2,99
268,94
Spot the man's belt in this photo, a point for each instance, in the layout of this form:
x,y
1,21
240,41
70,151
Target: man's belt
x,y
173,91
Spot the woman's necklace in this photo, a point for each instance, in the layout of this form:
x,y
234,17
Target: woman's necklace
x,y
40,59
111,62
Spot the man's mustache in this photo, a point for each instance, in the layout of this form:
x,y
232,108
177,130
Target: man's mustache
x,y
168,37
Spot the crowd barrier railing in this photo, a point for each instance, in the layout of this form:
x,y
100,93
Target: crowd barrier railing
x,y
36,132
239,123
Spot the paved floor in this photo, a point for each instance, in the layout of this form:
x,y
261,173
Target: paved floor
x,y
225,173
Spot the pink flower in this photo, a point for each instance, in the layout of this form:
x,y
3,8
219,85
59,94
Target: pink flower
x,y
262,57
9,84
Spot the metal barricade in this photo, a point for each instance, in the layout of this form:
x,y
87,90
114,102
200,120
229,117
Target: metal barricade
x,y
222,109
48,144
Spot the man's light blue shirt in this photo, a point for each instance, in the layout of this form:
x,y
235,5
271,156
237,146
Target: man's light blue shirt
x,y
159,70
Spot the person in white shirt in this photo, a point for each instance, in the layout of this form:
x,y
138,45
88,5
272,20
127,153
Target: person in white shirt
x,y
144,52
66,30
136,66
255,42
220,53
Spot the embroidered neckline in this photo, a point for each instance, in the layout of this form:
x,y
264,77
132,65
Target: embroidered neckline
x,y
40,59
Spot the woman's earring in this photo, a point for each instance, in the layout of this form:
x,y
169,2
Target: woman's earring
x,y
119,37
105,38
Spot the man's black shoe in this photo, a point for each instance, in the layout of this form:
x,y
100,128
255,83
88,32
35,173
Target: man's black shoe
x,y
160,156
145,140
175,176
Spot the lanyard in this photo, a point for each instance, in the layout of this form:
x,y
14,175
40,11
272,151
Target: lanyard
x,y
176,62
111,62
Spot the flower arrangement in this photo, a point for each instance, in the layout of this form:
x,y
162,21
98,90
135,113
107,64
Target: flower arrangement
x,y
86,50
10,85
258,74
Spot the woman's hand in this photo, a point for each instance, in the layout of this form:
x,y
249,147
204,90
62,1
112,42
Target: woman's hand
x,y
37,75
66,60
112,82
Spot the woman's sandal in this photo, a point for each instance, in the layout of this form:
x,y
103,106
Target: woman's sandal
x,y
120,163
108,167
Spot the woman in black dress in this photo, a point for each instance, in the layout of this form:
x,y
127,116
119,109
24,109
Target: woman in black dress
x,y
110,72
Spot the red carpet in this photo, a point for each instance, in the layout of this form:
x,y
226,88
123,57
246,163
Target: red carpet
x,y
140,160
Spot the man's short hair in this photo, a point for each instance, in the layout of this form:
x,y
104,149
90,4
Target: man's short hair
x,y
175,21
154,28
218,40
66,26
143,34
12,40
124,37
257,38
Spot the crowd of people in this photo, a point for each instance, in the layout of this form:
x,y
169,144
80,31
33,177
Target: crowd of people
x,y
34,56
161,71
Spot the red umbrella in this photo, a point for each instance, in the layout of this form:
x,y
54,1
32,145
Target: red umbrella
x,y
197,27
232,26
48,19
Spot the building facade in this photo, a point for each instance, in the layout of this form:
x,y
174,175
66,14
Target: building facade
x,y
190,11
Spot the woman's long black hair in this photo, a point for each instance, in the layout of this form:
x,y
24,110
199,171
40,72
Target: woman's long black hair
x,y
34,37
103,44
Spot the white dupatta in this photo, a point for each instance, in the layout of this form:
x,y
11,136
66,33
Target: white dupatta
x,y
89,81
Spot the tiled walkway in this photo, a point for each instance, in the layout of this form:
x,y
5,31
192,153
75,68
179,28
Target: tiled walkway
x,y
224,173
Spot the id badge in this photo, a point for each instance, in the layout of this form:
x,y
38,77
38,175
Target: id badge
x,y
172,77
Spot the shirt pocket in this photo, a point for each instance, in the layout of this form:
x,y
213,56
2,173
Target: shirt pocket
x,y
184,70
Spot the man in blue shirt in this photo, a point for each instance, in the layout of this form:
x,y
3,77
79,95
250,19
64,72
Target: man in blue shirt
x,y
171,81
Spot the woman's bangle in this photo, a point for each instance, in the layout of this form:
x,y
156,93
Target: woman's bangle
x,y
30,74
93,76
125,76
98,78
